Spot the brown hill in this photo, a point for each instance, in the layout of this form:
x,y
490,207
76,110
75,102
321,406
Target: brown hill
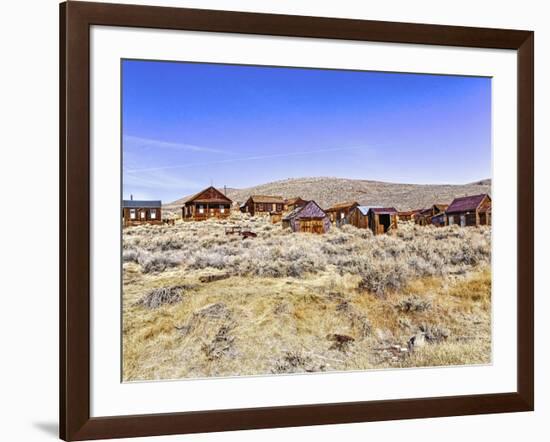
x,y
327,191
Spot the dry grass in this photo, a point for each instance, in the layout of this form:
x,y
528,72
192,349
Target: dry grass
x,y
292,303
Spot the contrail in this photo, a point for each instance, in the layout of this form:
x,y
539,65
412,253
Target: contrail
x,y
170,144
236,160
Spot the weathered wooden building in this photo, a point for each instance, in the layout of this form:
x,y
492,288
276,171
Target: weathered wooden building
x,y
208,203
135,212
382,219
430,215
408,215
378,219
338,212
263,205
359,217
309,218
293,203
474,210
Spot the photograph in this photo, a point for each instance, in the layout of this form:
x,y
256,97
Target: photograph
x,y
284,220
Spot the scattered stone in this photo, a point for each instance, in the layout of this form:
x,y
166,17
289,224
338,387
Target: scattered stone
x,y
215,277
340,342
418,340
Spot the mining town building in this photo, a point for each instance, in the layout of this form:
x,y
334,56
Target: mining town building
x,y
309,218
474,210
136,212
263,205
208,203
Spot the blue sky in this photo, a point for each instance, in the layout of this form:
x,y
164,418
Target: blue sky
x,y
187,125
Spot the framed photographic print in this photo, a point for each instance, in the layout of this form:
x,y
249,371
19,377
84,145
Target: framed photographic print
x,y
272,221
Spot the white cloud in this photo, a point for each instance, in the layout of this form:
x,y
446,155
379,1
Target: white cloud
x,y
133,142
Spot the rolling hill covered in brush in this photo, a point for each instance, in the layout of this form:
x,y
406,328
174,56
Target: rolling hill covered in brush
x,y
327,191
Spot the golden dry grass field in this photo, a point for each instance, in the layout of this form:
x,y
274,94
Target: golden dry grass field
x,y
200,303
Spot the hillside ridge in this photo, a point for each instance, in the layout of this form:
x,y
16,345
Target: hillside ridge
x,y
327,191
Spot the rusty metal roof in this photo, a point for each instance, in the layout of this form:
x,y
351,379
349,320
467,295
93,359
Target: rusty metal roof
x,y
267,199
344,205
195,198
466,203
310,210
137,204
384,210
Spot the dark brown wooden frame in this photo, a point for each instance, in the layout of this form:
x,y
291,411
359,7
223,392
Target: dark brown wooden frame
x,y
75,21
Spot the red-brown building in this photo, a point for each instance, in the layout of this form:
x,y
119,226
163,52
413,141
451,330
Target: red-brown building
x,y
208,203
425,216
263,205
338,212
474,210
293,203
136,212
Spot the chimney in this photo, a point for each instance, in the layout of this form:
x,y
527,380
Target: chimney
x,y
225,190
131,197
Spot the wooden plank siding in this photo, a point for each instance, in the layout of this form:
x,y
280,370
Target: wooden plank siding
x,y
470,211
208,203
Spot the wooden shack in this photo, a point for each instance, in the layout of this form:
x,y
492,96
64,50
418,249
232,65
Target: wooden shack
x,y
408,215
208,203
431,215
136,212
338,212
382,219
293,203
474,210
309,218
359,217
263,205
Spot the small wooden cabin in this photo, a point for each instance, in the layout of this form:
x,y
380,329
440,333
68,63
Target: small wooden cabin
x,y
408,215
359,217
382,219
263,205
293,203
136,212
309,218
474,210
338,212
431,215
208,203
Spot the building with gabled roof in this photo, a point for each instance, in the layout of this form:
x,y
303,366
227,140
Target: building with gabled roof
x,y
309,218
293,203
473,210
208,203
378,219
431,215
263,205
338,212
136,212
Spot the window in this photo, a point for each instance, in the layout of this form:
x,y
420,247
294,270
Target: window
x,y
132,213
274,207
153,213
342,215
201,208
222,208
142,214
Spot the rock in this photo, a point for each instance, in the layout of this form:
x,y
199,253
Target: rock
x,y
340,342
418,340
216,277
